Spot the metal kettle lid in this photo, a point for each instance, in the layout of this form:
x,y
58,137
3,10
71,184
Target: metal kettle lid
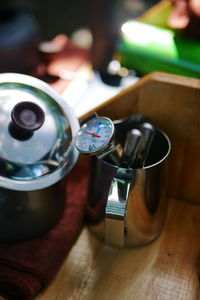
x,y
36,133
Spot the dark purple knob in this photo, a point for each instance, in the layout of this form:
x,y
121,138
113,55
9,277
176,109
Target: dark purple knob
x,y
27,116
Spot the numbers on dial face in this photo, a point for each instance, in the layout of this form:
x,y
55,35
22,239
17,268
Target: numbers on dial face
x,y
94,135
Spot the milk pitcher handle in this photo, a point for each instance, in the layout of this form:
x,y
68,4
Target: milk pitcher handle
x,y
115,215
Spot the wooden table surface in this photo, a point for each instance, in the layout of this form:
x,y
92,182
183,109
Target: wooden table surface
x,y
165,269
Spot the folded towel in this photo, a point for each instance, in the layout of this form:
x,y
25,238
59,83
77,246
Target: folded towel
x,y
27,267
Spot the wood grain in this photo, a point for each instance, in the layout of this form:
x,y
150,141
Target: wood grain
x,y
166,269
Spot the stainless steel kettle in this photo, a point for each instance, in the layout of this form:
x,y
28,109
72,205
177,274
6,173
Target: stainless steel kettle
x,y
36,153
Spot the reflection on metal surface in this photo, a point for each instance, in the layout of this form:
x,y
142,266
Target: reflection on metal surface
x,y
116,207
48,153
127,207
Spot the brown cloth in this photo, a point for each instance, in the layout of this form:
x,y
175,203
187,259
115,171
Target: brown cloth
x,y
27,267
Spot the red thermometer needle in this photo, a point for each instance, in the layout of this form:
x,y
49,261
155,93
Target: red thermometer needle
x,y
92,134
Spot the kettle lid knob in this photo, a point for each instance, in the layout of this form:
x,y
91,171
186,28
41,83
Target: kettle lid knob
x,y
27,116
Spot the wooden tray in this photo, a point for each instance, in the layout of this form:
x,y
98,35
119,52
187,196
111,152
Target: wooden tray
x,y
166,269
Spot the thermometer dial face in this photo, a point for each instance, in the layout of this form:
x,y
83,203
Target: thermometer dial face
x,y
94,136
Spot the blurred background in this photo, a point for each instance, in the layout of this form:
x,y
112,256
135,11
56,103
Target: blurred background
x,y
66,16
103,45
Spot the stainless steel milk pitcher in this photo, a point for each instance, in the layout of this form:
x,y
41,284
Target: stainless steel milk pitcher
x,y
127,205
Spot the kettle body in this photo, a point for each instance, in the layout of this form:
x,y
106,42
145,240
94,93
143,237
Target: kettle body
x,y
28,214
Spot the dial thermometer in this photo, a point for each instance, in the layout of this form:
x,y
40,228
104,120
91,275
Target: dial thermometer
x,y
96,137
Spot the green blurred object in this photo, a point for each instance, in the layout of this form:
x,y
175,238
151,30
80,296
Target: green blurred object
x,y
146,48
